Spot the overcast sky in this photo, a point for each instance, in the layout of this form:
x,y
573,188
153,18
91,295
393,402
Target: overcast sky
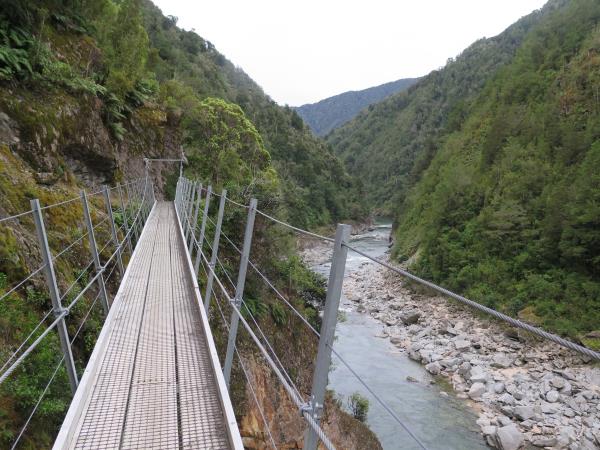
x,y
304,51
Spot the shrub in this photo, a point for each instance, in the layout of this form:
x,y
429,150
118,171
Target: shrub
x,y
359,406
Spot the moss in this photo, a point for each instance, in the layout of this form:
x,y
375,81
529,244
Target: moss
x,y
592,343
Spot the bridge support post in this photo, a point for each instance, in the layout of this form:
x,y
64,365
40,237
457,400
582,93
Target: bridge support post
x,y
186,204
94,251
129,191
239,291
332,303
113,230
215,251
195,217
125,219
192,205
202,230
57,308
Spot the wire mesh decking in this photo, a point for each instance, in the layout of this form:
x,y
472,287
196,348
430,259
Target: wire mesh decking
x,y
153,381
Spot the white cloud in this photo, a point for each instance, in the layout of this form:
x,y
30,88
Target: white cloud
x,y
304,51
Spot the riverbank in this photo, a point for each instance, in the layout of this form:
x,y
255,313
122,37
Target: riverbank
x,y
526,392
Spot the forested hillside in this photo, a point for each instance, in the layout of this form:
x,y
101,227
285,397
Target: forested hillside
x,y
333,112
493,169
89,88
392,142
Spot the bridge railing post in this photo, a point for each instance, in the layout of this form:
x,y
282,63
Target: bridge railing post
x,y
332,303
113,229
202,230
215,251
192,204
57,308
94,251
136,204
128,191
239,291
195,217
125,219
186,203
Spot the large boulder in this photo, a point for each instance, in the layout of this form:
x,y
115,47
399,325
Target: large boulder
x,y
477,390
509,437
410,317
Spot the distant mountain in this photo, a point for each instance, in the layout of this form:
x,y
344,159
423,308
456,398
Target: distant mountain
x,y
328,114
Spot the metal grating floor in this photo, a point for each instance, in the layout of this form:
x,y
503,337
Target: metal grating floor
x,y
155,387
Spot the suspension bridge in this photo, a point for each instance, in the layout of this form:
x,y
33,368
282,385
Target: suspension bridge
x,y
154,379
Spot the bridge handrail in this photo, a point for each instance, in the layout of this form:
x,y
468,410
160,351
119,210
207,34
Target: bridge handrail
x,y
13,362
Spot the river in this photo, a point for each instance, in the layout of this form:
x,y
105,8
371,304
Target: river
x,y
437,418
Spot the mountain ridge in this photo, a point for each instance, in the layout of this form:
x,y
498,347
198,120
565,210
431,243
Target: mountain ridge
x,y
332,112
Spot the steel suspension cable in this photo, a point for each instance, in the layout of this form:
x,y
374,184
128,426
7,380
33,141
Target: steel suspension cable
x,y
299,230
22,282
270,284
15,216
249,384
514,322
36,406
384,405
40,323
56,369
266,341
312,423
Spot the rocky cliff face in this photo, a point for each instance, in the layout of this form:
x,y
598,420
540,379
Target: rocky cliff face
x,y
286,425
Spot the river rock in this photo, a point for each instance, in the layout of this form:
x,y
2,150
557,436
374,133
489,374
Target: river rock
x,y
523,412
552,396
410,317
544,441
509,437
498,388
433,368
476,391
462,345
506,399
502,361
478,374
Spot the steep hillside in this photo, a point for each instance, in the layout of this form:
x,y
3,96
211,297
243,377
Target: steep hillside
x,y
391,143
508,209
87,89
187,66
333,112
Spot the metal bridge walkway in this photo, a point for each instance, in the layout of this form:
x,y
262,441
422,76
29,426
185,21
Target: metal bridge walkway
x,y
154,379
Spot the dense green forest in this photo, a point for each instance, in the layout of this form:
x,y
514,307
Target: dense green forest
x,y
491,167
333,112
87,89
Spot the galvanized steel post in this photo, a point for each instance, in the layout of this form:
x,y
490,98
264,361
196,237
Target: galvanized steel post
x,y
215,251
57,308
202,229
129,195
125,219
332,303
113,230
94,251
190,209
195,217
239,291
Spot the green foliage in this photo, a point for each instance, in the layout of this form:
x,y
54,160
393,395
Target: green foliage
x,y
359,406
254,307
392,143
278,313
507,210
14,46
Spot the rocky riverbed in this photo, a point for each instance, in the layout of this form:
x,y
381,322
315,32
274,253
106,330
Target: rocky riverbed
x,y
528,393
